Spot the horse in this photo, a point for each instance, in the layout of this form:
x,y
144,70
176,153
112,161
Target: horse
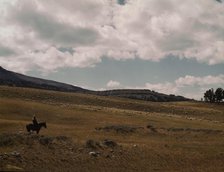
x,y
31,127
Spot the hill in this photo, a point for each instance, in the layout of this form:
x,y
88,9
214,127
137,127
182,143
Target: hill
x,y
146,95
86,132
15,79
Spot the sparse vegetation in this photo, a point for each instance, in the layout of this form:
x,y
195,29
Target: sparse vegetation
x,y
120,128
96,133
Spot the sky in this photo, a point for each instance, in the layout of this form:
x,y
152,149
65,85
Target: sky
x,y
169,46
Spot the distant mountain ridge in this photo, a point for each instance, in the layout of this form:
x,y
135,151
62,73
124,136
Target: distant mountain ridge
x,y
15,79
142,94
10,78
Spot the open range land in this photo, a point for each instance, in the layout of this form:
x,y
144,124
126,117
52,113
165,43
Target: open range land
x,y
95,133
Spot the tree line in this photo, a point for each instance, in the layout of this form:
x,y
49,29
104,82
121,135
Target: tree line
x,y
214,96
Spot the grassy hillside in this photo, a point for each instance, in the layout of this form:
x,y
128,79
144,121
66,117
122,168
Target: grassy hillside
x,y
149,136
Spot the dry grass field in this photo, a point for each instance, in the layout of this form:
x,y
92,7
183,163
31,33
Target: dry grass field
x,y
121,134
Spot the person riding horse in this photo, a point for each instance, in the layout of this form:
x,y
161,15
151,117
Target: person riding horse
x,y
35,126
35,123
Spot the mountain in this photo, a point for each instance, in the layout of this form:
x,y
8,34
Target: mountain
x,y
18,80
15,79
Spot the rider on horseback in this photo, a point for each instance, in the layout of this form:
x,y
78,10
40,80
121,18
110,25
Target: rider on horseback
x,y
35,126
35,123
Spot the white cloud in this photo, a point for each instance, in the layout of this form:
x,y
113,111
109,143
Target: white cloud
x,y
48,28
200,81
93,29
189,86
113,84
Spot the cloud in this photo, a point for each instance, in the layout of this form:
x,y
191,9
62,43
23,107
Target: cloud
x,y
187,29
200,81
189,86
45,26
113,84
118,29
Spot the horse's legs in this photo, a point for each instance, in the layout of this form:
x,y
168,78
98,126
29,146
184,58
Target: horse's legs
x,y
27,128
38,131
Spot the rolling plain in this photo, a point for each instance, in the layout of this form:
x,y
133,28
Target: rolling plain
x,y
96,133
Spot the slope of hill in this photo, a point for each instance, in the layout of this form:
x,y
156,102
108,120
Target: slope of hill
x,y
95,133
15,79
